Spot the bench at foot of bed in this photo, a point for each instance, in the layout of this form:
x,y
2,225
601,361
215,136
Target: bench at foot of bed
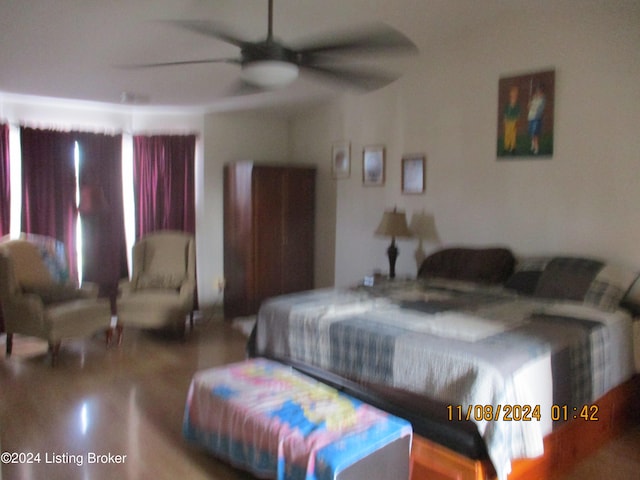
x,y
275,422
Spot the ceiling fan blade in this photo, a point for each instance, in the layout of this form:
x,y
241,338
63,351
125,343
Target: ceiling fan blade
x,y
183,62
364,80
372,39
210,29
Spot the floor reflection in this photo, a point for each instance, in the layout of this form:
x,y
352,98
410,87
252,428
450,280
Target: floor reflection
x,y
98,403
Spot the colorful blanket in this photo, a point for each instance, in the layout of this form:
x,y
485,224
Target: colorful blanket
x,y
277,423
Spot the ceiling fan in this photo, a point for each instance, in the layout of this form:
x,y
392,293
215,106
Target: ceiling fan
x,y
270,64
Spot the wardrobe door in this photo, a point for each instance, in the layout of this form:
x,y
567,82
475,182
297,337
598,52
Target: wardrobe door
x,y
268,233
238,240
299,220
268,227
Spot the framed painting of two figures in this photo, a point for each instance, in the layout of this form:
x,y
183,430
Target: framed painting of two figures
x,y
526,116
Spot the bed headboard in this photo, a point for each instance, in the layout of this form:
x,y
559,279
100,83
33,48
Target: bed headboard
x,y
481,265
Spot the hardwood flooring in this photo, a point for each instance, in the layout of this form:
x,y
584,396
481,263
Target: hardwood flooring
x,y
619,459
129,401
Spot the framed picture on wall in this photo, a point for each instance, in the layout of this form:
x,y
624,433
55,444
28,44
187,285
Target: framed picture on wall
x,y
526,116
413,174
341,160
373,166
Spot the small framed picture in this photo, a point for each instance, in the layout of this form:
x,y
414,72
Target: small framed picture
x,y
341,160
413,174
373,166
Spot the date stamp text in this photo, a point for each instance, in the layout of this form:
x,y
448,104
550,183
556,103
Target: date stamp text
x,y
520,413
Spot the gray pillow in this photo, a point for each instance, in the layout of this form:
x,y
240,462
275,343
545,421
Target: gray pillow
x,y
580,279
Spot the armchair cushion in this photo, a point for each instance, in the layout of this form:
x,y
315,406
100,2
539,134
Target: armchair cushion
x,y
165,281
165,256
55,292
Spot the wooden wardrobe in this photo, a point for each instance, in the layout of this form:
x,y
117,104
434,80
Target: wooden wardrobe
x,y
269,215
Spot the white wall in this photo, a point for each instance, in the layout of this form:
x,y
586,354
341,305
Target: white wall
x,y
312,136
229,137
581,201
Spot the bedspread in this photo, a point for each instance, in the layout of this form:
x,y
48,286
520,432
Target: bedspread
x,y
461,344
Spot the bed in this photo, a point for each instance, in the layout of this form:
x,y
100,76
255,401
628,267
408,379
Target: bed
x,y
485,356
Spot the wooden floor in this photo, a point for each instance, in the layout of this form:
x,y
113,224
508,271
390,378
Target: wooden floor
x,y
129,401
617,460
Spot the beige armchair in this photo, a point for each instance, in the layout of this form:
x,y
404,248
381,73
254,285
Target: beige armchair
x,y
161,291
34,303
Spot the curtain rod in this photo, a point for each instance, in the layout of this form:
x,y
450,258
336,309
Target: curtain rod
x,y
94,129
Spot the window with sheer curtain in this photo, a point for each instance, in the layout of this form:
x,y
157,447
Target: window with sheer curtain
x,y
58,170
49,187
72,182
101,207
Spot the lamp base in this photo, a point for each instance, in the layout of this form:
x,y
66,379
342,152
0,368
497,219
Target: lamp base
x,y
392,253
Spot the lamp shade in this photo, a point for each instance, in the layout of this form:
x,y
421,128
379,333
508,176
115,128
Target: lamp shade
x,y
269,73
423,226
393,224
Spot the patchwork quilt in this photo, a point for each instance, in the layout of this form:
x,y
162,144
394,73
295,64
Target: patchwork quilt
x,y
475,348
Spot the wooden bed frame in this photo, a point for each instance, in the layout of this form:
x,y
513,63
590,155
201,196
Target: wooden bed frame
x,y
564,448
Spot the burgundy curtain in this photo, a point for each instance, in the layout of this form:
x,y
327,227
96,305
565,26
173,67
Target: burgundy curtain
x,y
163,176
49,187
5,190
5,181
104,258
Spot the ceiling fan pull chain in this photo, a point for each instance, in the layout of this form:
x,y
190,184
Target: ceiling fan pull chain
x,y
270,27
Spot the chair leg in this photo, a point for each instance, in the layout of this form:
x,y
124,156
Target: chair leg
x,y
191,320
54,348
181,330
109,336
9,344
119,329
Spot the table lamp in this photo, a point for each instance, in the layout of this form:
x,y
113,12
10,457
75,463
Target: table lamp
x,y
393,224
423,227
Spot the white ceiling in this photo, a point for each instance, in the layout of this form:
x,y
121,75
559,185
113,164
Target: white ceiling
x,y
72,49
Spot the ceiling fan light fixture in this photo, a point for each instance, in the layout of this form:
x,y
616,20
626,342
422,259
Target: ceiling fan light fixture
x,y
269,73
